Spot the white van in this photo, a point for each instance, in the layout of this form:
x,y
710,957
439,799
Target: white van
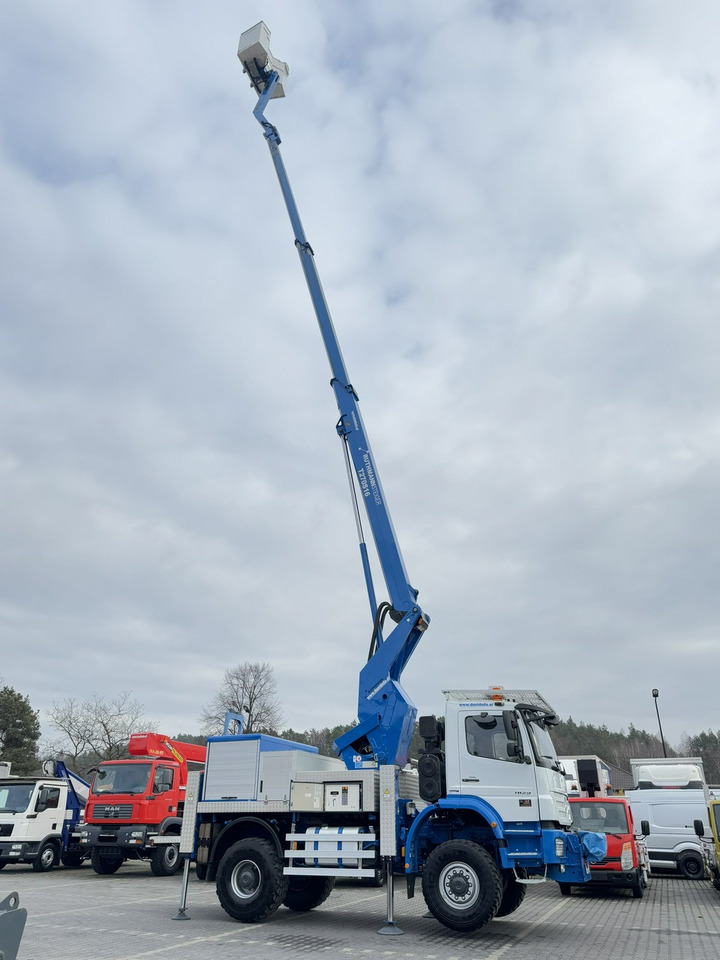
x,y
667,816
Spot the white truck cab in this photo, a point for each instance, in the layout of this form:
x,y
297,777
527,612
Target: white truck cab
x,y
37,819
500,747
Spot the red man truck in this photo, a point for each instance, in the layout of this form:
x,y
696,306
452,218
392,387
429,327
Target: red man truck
x,y
134,803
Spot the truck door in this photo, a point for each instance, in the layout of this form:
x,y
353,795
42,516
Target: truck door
x,y
49,813
489,767
163,792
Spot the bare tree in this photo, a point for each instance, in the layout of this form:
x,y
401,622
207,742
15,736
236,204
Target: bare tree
x,y
96,728
249,689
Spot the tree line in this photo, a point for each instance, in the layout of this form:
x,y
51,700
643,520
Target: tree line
x,y
96,729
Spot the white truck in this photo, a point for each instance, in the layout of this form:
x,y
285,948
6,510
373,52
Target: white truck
x,y
669,796
485,814
39,816
273,823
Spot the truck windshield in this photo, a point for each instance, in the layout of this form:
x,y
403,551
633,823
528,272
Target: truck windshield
x,y
14,798
121,778
542,745
600,817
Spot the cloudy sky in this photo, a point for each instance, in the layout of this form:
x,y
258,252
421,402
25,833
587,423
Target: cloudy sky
x,y
515,211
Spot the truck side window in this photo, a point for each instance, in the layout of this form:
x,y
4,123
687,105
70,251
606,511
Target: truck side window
x,y
485,737
163,780
50,798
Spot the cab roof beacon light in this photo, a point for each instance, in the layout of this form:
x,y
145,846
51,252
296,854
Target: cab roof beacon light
x,y
258,63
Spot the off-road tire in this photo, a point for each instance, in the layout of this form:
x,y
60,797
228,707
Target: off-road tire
x,y
306,893
462,885
46,858
250,883
165,860
513,896
105,865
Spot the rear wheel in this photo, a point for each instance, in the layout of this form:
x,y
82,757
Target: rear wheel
x,y
165,860
691,866
306,893
462,885
105,865
565,889
71,859
512,897
250,881
46,859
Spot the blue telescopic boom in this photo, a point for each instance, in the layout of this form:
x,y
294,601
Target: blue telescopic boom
x,y
386,714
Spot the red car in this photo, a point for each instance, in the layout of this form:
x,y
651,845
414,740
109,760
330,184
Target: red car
x,y
626,864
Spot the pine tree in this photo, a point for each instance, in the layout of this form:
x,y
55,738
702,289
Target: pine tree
x,y
19,732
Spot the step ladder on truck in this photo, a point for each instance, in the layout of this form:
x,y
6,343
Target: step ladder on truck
x,y
271,822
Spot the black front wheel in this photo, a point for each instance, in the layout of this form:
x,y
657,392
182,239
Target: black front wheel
x,y
105,865
71,859
250,881
462,885
46,859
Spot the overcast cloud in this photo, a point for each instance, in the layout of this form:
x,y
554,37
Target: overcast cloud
x,y
515,212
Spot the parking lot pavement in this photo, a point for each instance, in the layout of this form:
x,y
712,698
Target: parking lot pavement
x,y
128,916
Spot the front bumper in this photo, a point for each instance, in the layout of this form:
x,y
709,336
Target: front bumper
x,y
18,852
613,878
124,838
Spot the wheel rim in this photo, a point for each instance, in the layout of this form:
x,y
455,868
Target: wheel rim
x,y
47,857
459,886
245,879
171,856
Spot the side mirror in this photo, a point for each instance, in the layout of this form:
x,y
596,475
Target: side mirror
x,y
699,828
512,732
645,827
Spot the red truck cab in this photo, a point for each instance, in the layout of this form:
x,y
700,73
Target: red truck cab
x,y
626,864
133,803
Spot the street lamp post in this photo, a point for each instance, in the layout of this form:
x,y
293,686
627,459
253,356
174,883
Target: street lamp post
x,y
655,694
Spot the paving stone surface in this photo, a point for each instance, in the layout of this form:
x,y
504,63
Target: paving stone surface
x,y
129,916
